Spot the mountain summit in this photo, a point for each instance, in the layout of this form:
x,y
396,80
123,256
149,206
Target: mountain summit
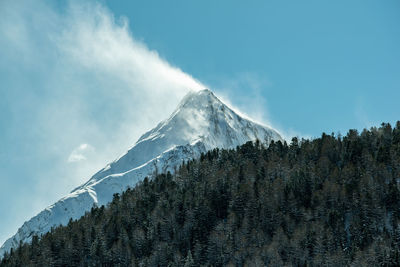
x,y
201,122
199,117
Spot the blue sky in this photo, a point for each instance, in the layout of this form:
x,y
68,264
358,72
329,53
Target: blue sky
x,y
321,65
80,81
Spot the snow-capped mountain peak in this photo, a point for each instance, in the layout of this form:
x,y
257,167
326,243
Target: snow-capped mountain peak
x,y
200,116
201,122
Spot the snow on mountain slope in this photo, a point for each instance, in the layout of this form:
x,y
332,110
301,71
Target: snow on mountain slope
x,y
200,123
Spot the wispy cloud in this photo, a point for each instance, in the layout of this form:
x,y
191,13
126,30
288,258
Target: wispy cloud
x,y
92,78
361,114
80,153
252,104
74,73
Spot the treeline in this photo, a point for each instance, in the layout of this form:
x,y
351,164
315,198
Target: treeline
x,y
329,201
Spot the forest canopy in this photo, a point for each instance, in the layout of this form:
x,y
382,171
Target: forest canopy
x,y
333,200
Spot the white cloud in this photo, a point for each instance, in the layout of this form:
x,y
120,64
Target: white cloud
x,y
80,153
92,79
76,74
93,39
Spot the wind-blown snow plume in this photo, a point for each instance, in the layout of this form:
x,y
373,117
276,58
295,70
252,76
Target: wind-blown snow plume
x,y
73,75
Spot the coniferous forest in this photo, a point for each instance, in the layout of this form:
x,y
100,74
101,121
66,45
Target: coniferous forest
x,y
332,201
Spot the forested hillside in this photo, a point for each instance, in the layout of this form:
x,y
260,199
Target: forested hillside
x,y
329,201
